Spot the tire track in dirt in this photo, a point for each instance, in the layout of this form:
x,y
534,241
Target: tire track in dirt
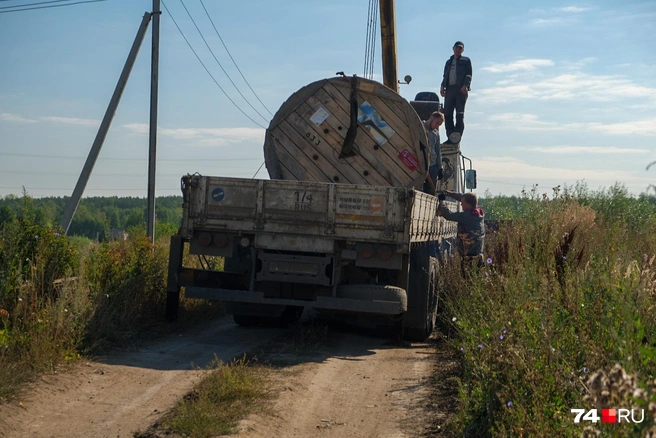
x,y
361,387
125,392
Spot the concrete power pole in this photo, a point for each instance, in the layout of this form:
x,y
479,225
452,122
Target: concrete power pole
x,y
152,154
69,211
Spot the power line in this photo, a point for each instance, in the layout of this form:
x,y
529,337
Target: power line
x,y
51,6
69,189
77,157
258,169
233,60
206,69
217,61
34,4
123,175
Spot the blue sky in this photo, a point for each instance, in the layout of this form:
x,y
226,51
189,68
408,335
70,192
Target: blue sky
x,y
561,92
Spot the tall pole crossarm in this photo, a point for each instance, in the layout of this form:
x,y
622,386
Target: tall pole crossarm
x,y
388,44
152,154
82,181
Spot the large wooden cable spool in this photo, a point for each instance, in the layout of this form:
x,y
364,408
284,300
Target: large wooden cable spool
x,y
305,140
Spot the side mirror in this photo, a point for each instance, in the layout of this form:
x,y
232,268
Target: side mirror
x,y
470,179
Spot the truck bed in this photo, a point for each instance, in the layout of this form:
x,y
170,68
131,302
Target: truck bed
x,y
339,211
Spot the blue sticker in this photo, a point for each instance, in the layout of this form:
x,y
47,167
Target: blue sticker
x,y
218,194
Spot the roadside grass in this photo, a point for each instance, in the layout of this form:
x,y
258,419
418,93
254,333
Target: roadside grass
x,y
61,298
228,394
568,292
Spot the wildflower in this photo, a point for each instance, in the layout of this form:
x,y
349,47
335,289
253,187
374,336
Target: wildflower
x,y
56,234
20,299
585,370
480,346
36,237
65,310
462,348
489,261
501,337
454,319
564,257
509,404
505,331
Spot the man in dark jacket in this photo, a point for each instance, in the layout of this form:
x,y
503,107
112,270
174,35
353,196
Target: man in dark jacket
x,y
455,88
435,172
471,227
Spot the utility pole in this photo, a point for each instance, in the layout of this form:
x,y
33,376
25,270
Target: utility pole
x,y
152,154
388,44
69,211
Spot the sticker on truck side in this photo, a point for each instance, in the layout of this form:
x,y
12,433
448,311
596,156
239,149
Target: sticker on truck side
x,y
218,194
357,204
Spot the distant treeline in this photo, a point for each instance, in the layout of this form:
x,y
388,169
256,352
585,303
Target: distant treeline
x,y
96,216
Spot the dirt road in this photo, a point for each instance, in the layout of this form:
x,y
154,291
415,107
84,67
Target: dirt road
x,y
359,386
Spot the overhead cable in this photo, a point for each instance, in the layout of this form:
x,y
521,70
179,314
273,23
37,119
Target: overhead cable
x,y
233,60
207,70
219,63
51,6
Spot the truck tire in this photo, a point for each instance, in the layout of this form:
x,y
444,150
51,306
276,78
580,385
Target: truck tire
x,y
419,320
368,292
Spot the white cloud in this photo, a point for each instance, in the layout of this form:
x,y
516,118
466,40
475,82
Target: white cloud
x,y
520,65
549,21
640,127
573,9
569,86
72,121
531,122
569,150
204,136
520,171
7,117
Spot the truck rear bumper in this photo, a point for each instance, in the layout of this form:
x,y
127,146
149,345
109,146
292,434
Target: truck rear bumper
x,y
333,303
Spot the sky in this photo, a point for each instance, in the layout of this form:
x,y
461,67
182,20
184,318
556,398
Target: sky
x,y
562,92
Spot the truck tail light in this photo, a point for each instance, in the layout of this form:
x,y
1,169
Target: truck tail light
x,y
367,251
384,252
205,239
220,240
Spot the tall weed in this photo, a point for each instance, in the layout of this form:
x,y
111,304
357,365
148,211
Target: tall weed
x,y
569,288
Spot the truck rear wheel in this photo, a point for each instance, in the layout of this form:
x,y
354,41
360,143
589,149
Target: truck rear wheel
x,y
369,292
419,320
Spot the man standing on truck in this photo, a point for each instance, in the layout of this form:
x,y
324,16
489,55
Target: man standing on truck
x,y
471,227
455,87
435,172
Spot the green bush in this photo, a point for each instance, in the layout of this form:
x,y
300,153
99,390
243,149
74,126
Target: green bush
x,y
127,284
